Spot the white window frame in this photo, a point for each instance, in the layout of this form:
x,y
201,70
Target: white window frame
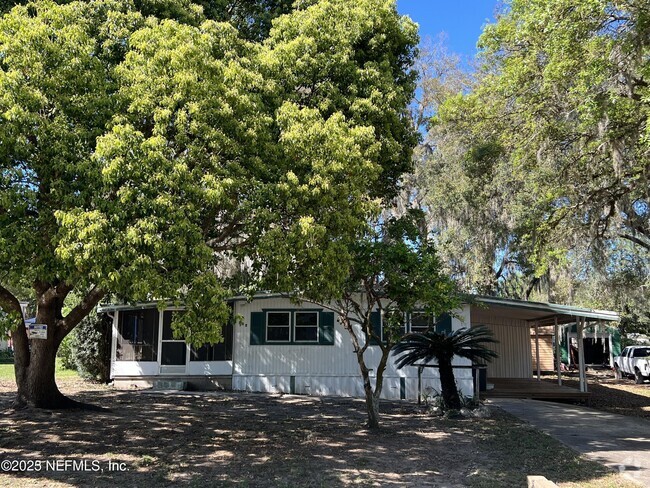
x,y
410,322
296,326
266,326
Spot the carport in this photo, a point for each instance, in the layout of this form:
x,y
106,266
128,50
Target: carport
x,y
512,321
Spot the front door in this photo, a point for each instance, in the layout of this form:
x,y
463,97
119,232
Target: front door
x,y
173,352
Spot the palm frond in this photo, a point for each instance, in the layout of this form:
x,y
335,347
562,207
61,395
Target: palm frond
x,y
469,343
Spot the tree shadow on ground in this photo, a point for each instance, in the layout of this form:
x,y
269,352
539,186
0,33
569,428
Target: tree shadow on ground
x,y
615,396
255,440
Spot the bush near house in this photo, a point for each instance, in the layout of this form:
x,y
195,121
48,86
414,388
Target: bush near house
x,y
471,344
87,348
6,356
92,347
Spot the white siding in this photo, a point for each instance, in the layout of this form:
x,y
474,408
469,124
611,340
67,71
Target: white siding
x,y
209,368
321,369
114,344
134,368
513,348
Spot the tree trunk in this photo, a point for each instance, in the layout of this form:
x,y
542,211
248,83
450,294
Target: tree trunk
x,y
36,382
35,359
35,365
372,402
372,399
448,384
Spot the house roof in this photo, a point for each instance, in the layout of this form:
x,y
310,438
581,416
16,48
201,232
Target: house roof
x,y
541,313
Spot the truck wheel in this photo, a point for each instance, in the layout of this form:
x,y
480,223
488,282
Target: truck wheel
x,y
638,377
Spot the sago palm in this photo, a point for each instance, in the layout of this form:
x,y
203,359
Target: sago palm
x,y
423,348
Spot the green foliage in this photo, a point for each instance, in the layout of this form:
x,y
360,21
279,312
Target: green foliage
x,y
9,322
87,348
143,146
6,356
91,347
536,174
66,352
392,269
621,283
397,267
252,19
442,346
564,103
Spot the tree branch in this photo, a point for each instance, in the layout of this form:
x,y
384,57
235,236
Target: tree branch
x,y
8,302
80,311
636,241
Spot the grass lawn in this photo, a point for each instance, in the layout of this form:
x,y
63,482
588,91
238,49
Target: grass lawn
x,y
260,440
7,372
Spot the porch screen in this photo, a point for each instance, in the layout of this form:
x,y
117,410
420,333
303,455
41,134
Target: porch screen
x,y
137,338
215,352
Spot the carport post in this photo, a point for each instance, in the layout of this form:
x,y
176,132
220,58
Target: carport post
x,y
558,357
581,354
539,368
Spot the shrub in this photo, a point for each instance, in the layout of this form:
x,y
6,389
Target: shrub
x,y
91,347
66,353
6,356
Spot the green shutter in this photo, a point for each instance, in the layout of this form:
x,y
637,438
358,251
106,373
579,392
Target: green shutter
x,y
444,323
326,328
257,328
375,322
564,346
616,341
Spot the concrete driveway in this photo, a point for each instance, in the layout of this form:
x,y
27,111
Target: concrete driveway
x,y
622,443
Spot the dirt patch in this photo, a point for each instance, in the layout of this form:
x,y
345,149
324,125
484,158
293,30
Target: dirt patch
x,y
260,440
611,395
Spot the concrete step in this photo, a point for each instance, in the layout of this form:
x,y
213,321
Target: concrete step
x,y
540,482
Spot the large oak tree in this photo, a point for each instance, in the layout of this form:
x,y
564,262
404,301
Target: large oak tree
x,y
142,146
536,173
558,123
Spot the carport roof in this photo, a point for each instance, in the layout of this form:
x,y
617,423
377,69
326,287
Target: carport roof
x,y
544,313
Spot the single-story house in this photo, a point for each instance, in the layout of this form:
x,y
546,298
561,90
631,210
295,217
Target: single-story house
x,y
279,346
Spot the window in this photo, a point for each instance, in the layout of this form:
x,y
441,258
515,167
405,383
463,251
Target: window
x,y
278,327
137,338
306,328
392,324
421,321
298,326
641,352
215,352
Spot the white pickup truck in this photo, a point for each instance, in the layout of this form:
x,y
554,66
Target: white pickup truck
x,y
633,361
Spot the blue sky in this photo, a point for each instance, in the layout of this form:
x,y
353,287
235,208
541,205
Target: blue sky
x,y
461,20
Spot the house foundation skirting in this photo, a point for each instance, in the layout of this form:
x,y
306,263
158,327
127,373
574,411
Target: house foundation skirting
x,y
198,383
394,387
